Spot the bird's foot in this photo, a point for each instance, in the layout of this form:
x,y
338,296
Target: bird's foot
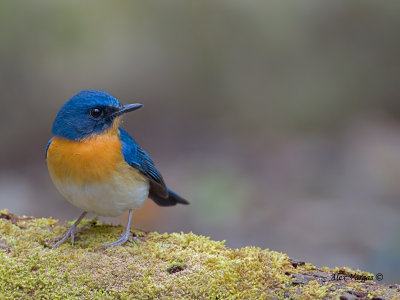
x,y
122,240
58,237
70,233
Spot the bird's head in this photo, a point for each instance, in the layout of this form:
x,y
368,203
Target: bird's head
x,y
89,113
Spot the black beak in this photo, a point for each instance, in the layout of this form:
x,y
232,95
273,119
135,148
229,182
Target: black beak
x,y
127,108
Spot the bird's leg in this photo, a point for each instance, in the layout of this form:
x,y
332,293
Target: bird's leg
x,y
125,237
70,232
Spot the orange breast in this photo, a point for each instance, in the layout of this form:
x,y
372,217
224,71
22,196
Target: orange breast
x,y
94,159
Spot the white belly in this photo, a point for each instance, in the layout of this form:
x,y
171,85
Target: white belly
x,y
109,199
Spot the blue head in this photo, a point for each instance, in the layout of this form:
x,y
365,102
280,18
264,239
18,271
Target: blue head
x,y
87,113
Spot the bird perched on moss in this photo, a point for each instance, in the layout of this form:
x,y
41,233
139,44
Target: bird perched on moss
x,y
97,166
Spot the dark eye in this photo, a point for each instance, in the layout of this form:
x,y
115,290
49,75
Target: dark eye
x,y
96,112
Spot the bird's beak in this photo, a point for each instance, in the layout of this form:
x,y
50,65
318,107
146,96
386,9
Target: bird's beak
x,y
127,108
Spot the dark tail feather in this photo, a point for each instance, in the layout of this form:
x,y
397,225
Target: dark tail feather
x,y
176,198
172,199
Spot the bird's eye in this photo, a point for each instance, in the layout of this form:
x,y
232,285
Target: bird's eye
x,y
96,113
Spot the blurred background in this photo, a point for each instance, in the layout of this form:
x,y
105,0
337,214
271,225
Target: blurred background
x,y
278,120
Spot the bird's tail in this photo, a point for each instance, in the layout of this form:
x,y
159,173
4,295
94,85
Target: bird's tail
x,y
172,199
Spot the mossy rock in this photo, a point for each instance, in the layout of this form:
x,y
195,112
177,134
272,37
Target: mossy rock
x,y
157,266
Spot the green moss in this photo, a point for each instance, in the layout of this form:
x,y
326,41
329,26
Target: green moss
x,y
167,266
314,290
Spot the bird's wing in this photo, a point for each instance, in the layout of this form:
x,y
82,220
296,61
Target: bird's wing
x,y
139,159
47,147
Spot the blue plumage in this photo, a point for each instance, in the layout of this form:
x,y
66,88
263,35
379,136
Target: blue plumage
x,y
47,147
138,158
73,122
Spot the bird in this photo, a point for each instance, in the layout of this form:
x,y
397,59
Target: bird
x,y
97,166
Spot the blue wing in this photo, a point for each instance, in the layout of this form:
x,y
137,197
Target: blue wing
x,y
47,147
139,159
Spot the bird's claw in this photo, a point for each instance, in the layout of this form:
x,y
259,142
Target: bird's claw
x,y
122,240
69,233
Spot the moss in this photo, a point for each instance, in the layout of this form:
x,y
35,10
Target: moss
x,y
167,266
314,290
